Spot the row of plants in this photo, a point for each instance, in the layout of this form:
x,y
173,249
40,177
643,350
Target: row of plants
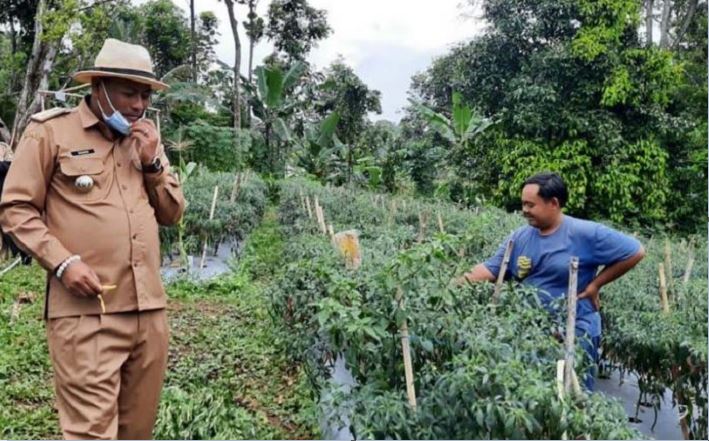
x,y
240,204
664,348
481,371
228,376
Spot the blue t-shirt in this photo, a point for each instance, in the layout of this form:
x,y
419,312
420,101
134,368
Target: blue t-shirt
x,y
548,257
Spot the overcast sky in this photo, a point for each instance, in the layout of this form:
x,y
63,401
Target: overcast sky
x,y
384,41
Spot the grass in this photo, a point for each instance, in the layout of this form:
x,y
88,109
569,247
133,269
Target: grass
x,y
228,376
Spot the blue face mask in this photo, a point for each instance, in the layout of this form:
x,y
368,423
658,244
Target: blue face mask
x,y
116,121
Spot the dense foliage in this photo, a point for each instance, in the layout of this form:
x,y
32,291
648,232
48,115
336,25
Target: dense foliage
x,y
458,341
241,201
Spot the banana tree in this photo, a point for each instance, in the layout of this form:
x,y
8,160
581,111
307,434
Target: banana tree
x,y
272,105
316,151
464,124
462,127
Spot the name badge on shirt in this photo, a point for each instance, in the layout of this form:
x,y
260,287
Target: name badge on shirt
x,y
83,152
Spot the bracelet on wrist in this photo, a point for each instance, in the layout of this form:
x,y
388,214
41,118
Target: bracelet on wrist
x,y
65,265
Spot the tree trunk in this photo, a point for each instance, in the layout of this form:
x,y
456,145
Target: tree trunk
x,y
252,43
649,10
38,67
237,67
665,20
689,16
5,135
194,43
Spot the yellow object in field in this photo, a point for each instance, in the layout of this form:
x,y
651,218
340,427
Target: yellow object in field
x,y
348,244
524,265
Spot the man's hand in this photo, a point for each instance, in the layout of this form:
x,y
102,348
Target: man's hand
x,y
592,292
146,139
81,280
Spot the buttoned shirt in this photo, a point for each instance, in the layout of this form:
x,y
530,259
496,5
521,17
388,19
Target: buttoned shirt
x,y
112,224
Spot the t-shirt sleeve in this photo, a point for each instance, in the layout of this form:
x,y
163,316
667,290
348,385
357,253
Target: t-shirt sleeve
x,y
494,263
611,246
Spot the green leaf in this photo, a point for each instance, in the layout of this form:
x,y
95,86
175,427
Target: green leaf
x,y
327,129
281,130
293,74
461,115
274,80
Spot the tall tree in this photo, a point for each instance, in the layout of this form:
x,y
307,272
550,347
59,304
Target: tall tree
x,y
207,39
193,34
254,26
236,99
50,25
344,92
166,34
573,89
295,27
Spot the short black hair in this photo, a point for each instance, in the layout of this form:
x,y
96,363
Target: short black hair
x,y
550,186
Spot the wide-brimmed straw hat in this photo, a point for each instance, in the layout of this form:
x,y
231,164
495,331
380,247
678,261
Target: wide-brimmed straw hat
x,y
118,59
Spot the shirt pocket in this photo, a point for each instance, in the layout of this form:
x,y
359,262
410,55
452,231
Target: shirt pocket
x,y
84,179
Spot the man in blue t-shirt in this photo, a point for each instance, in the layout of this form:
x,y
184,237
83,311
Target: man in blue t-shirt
x,y
542,251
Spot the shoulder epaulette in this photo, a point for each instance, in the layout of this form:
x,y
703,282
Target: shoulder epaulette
x,y
49,114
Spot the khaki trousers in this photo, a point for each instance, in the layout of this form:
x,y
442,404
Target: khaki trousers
x,y
108,373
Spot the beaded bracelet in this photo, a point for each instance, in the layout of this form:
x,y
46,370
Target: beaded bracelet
x,y
65,265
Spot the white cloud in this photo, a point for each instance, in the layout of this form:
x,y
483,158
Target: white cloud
x,y
385,41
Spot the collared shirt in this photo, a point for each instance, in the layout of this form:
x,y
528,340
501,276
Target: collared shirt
x,y
543,261
113,225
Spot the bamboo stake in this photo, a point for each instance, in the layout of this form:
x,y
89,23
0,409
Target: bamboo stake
x,y
302,200
423,221
663,290
331,230
235,188
317,212
570,326
406,350
690,264
392,212
503,270
11,266
211,217
560,387
320,216
440,223
668,267
307,204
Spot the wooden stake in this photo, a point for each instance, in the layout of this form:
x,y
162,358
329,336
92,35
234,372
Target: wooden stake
x,y
423,220
440,223
569,342
668,267
392,212
302,200
503,270
406,350
235,188
211,217
331,230
690,263
307,204
320,216
10,267
663,290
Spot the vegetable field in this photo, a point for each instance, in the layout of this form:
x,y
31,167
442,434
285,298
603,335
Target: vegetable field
x,y
252,351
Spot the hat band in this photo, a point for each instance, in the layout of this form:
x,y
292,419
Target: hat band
x,y
119,70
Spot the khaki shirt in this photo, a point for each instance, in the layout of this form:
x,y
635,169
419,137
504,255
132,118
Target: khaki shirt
x,y
113,226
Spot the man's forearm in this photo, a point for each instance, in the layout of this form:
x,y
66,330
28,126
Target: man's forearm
x,y
610,273
479,273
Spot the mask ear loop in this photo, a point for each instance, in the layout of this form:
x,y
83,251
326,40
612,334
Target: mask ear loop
x,y
108,99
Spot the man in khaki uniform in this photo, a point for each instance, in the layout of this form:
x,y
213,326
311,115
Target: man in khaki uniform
x,y
84,196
